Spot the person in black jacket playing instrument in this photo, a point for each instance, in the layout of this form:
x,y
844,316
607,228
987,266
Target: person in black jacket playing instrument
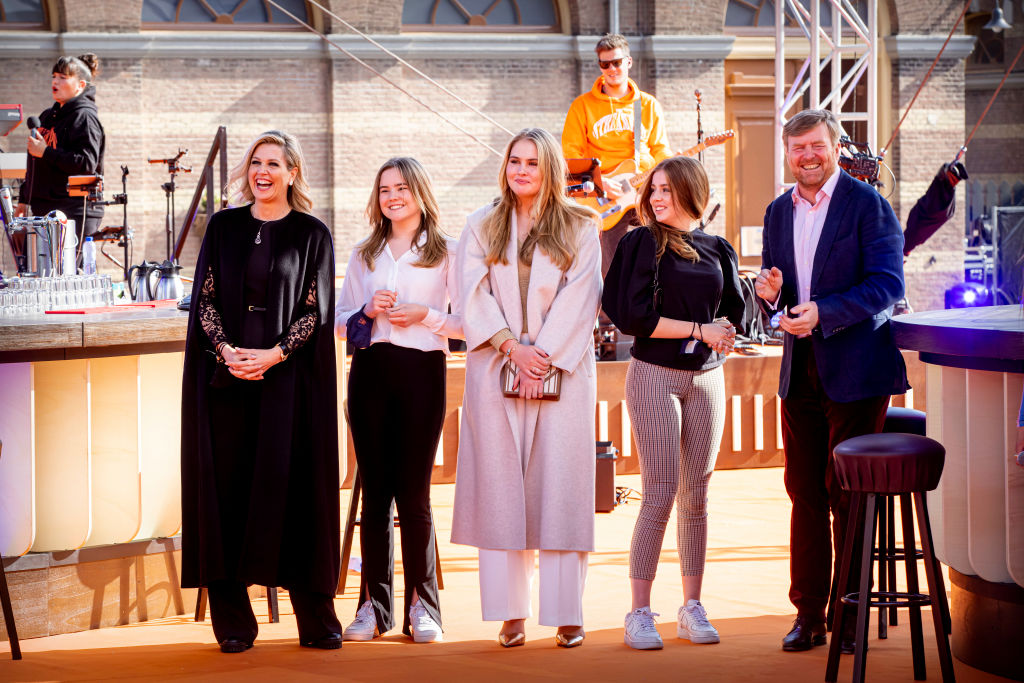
x,y
259,419
69,141
668,285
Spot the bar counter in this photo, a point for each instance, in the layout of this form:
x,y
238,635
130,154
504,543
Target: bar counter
x,y
974,361
90,456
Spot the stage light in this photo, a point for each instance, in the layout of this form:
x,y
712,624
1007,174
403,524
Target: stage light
x,y
968,295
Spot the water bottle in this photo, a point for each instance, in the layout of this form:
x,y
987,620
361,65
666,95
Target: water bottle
x,y
89,256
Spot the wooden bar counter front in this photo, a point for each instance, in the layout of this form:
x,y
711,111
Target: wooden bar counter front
x,y
89,468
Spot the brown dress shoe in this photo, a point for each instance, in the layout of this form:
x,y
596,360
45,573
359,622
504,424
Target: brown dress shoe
x,y
804,635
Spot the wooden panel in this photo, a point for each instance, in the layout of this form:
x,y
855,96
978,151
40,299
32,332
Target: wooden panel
x,y
159,445
40,336
116,505
986,476
1012,388
947,424
17,509
63,505
62,599
107,333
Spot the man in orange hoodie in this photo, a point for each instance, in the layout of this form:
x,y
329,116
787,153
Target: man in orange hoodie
x,y
600,125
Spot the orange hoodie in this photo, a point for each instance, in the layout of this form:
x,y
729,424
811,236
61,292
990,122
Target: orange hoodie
x,y
600,126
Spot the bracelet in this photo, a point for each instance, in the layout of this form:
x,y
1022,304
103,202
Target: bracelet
x,y
284,356
700,331
511,347
693,329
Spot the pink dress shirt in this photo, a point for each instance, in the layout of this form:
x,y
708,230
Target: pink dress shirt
x,y
808,221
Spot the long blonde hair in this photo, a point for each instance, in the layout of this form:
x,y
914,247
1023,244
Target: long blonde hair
x,y
557,219
299,197
416,177
690,192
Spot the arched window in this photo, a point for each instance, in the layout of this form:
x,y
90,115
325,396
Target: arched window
x,y
221,14
533,16
760,14
22,14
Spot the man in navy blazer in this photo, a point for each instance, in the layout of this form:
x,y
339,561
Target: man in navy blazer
x,y
832,259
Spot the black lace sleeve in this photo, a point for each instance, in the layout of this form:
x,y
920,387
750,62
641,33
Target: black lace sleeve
x,y
209,316
302,329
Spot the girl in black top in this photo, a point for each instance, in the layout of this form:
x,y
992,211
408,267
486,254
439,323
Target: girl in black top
x,y
668,285
69,141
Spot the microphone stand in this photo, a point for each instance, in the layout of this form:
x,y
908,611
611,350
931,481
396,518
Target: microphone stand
x,y
173,167
700,128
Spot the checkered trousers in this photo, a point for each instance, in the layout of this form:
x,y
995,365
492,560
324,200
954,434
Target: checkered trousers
x,y
678,417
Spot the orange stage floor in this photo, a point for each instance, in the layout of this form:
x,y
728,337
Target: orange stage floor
x,y
744,591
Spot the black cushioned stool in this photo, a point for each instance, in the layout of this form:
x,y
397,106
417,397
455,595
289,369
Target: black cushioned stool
x,y
870,466
897,421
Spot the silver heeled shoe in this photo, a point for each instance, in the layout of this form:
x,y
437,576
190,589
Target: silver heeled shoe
x,y
511,639
569,639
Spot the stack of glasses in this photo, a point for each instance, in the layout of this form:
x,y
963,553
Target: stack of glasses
x,y
35,295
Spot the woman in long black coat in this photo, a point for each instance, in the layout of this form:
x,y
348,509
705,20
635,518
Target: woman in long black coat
x,y
259,456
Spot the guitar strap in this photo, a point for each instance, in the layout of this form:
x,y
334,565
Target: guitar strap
x,y
637,130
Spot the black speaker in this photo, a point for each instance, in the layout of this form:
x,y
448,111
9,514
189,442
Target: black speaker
x,y
1009,255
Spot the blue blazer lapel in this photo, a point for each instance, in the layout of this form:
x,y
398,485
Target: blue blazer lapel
x,y
836,211
786,257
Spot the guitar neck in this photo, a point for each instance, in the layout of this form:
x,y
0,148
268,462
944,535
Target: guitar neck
x,y
712,140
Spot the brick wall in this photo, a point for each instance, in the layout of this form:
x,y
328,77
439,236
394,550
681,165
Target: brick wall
x,y
349,121
929,137
925,16
690,17
673,83
371,16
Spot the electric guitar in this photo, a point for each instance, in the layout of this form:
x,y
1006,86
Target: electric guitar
x,y
625,177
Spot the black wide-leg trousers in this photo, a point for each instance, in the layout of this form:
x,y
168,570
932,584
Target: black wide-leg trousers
x,y
812,426
396,406
232,615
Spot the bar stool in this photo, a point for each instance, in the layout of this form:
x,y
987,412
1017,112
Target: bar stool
x,y
897,421
353,520
5,605
273,617
906,465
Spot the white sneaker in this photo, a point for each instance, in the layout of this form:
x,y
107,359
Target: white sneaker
x,y
640,633
364,626
424,628
693,625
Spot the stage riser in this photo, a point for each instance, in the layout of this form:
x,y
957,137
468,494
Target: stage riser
x,y
56,596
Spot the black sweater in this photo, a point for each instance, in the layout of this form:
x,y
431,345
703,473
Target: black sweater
x,y
74,146
698,292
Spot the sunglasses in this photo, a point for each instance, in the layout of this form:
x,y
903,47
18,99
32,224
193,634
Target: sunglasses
x,y
611,63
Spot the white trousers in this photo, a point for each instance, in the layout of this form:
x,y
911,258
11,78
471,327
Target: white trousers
x,y
506,577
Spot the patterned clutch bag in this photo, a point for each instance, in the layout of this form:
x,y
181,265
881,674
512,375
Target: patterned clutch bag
x,y
550,391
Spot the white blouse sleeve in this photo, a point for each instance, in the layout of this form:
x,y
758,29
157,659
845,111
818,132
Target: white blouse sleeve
x,y
441,322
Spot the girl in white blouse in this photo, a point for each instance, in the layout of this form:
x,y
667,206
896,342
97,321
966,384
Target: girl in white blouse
x,y
399,282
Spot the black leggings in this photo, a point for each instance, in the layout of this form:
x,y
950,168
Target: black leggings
x,y
396,405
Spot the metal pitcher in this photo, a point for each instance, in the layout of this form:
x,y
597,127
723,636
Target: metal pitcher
x,y
139,280
168,282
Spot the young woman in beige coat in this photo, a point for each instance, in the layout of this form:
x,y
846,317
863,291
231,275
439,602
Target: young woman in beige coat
x,y
530,267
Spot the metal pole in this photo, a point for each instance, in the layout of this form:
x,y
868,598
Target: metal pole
x,y
815,54
872,103
780,77
613,16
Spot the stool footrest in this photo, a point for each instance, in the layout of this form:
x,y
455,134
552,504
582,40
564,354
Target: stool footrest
x,y
897,554
890,599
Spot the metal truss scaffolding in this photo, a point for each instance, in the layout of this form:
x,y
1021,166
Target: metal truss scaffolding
x,y
850,39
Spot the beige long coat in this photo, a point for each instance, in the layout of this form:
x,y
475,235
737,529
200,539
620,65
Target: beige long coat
x,y
525,475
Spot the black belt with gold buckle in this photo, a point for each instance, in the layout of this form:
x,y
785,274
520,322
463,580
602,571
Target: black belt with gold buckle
x,y
259,309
